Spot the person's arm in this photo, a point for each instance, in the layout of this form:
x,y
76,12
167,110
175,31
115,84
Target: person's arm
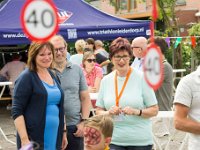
x,y
150,107
114,110
85,111
104,63
4,71
21,129
64,139
149,112
97,84
101,111
85,104
182,122
102,60
20,103
84,96
146,113
99,76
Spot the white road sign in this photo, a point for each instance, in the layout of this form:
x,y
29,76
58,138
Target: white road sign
x,y
39,19
153,67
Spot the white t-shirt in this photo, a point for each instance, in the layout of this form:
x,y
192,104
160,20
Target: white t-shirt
x,y
133,130
76,59
138,64
188,94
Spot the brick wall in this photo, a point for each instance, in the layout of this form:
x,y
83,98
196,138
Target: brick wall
x,y
186,15
185,18
190,4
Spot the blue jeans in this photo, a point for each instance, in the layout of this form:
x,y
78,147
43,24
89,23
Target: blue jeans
x,y
74,143
116,147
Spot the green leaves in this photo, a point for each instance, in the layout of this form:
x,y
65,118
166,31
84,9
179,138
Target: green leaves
x,y
194,30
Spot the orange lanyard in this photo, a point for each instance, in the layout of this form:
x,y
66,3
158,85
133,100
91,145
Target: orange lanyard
x,y
123,87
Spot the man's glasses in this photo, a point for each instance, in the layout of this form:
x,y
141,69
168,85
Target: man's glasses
x,y
91,60
124,57
61,49
136,47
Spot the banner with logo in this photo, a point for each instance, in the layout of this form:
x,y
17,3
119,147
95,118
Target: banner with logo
x,y
77,20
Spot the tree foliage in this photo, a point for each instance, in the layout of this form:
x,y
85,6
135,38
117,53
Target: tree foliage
x,y
167,15
195,31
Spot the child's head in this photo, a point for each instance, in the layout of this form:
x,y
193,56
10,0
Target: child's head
x,y
98,132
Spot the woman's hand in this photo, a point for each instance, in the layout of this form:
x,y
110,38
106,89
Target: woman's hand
x,y
130,111
92,89
115,110
64,141
25,142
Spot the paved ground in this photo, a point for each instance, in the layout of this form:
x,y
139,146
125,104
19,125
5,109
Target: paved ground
x,y
7,125
175,139
167,136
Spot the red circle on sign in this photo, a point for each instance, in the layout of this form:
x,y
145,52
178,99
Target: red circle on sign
x,y
156,48
26,30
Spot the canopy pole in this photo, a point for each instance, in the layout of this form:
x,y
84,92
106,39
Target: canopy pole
x,y
3,58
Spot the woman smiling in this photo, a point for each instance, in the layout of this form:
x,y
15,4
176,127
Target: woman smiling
x,y
92,73
125,95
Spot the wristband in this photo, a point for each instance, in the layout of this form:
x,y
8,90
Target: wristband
x,y
140,112
83,120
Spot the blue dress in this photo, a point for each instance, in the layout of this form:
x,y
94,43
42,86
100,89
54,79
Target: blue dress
x,y
52,116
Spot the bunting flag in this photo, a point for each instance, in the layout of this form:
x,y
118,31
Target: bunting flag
x,y
152,31
154,10
154,17
193,41
168,41
178,41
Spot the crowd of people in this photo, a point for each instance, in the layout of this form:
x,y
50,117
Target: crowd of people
x,y
51,97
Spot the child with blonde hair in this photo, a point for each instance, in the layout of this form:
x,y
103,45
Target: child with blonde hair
x,y
98,132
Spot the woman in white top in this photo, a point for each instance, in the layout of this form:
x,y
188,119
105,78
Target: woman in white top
x,y
125,95
77,58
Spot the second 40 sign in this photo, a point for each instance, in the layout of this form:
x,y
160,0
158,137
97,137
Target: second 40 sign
x,y
153,67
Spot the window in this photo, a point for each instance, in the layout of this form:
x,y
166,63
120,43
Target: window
x,y
181,2
123,5
133,4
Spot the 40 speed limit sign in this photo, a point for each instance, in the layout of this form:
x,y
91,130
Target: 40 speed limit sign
x,y
39,19
153,66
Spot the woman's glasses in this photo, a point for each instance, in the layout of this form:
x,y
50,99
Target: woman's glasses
x,y
91,60
124,57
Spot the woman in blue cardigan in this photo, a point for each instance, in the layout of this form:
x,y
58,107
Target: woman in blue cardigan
x,y
38,102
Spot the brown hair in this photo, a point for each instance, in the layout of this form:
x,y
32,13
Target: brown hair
x,y
162,44
90,41
98,43
86,55
120,44
59,38
34,49
102,122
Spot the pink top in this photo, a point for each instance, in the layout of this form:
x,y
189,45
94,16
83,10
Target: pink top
x,y
90,77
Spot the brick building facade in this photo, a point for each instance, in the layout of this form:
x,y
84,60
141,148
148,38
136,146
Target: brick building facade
x,y
187,11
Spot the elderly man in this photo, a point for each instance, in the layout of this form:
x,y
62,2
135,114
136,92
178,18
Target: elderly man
x,y
139,45
187,108
77,102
